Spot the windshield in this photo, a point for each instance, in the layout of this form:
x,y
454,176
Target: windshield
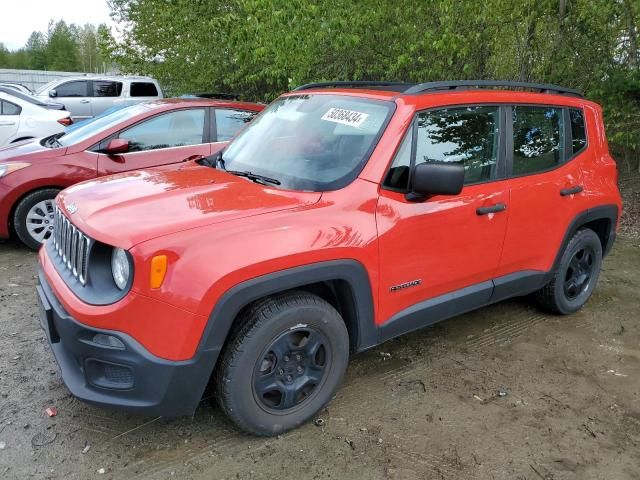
x,y
47,87
98,124
310,142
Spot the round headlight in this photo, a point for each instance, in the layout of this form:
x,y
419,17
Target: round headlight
x,y
120,268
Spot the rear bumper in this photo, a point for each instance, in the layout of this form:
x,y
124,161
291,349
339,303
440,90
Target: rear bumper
x,y
127,378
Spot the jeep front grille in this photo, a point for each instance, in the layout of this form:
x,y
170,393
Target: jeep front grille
x,y
72,246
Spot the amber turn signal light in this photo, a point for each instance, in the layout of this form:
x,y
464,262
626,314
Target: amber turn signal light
x,y
158,271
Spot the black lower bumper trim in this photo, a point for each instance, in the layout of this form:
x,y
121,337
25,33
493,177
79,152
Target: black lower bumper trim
x,y
127,377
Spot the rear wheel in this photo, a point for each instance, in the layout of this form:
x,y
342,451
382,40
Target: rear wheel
x,y
283,365
33,217
576,276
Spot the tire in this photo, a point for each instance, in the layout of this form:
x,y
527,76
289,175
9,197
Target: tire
x,y
32,211
576,276
283,364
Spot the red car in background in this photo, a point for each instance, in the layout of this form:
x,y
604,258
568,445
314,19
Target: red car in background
x,y
140,136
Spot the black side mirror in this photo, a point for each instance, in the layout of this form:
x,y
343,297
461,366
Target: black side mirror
x,y
117,146
436,179
53,93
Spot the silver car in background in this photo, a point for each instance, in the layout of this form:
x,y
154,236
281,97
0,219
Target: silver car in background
x,y
88,96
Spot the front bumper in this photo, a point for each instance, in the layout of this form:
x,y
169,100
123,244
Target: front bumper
x,y
128,378
6,202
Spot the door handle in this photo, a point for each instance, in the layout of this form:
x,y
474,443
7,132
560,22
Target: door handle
x,y
498,207
84,101
7,124
571,190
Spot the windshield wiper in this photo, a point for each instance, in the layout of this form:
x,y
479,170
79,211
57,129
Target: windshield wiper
x,y
216,161
255,177
52,141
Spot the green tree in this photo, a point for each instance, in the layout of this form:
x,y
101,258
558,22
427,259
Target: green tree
x,y
5,56
262,47
89,53
62,51
37,50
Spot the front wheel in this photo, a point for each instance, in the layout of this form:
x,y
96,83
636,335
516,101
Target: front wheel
x,y
576,276
33,219
284,363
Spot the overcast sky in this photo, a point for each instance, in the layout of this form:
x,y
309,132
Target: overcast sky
x,y
18,18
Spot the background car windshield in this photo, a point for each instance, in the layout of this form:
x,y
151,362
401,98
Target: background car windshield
x,y
310,142
97,125
47,87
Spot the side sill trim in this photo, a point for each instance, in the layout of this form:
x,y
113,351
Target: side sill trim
x,y
461,301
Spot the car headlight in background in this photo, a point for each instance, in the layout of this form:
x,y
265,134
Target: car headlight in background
x,y
120,268
7,168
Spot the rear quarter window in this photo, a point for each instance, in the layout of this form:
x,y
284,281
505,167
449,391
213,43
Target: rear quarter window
x,y
578,132
8,108
143,89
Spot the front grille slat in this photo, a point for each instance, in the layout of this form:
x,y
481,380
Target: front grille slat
x,y
72,246
74,252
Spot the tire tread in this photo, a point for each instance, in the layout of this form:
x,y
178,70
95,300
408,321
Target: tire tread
x,y
249,324
546,296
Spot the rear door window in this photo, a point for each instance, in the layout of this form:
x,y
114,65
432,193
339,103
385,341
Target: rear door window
x,y
230,122
72,89
143,89
538,138
104,88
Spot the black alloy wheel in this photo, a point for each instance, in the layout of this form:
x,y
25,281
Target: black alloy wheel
x,y
579,272
291,369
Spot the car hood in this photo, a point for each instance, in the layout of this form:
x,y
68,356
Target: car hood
x,y
129,208
28,150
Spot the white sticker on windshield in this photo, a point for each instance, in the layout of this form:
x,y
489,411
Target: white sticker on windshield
x,y
345,117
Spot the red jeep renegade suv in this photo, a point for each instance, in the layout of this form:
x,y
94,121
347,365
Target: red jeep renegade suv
x,y
338,219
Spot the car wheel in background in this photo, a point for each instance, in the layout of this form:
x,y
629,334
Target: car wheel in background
x,y
33,219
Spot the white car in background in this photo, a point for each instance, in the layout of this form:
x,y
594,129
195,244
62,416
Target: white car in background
x,y
21,120
16,86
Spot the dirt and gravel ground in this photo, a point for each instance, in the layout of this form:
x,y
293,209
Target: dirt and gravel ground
x,y
506,392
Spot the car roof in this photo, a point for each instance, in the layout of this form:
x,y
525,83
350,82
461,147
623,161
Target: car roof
x,y
206,102
455,92
104,77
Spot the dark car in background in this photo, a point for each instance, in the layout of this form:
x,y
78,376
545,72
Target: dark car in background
x,y
139,136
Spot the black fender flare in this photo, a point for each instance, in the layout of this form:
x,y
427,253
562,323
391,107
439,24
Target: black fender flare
x,y
352,272
602,212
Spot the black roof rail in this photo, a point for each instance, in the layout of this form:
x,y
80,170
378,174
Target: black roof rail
x,y
453,85
392,86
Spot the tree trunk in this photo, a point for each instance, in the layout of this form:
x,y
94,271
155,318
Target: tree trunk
x,y
632,31
525,59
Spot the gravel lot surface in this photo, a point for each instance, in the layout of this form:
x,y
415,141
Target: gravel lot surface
x,y
506,392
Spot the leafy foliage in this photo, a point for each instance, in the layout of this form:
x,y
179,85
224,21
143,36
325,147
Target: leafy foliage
x,y
260,48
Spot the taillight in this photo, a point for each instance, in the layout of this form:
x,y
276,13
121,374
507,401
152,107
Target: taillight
x,y
66,121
